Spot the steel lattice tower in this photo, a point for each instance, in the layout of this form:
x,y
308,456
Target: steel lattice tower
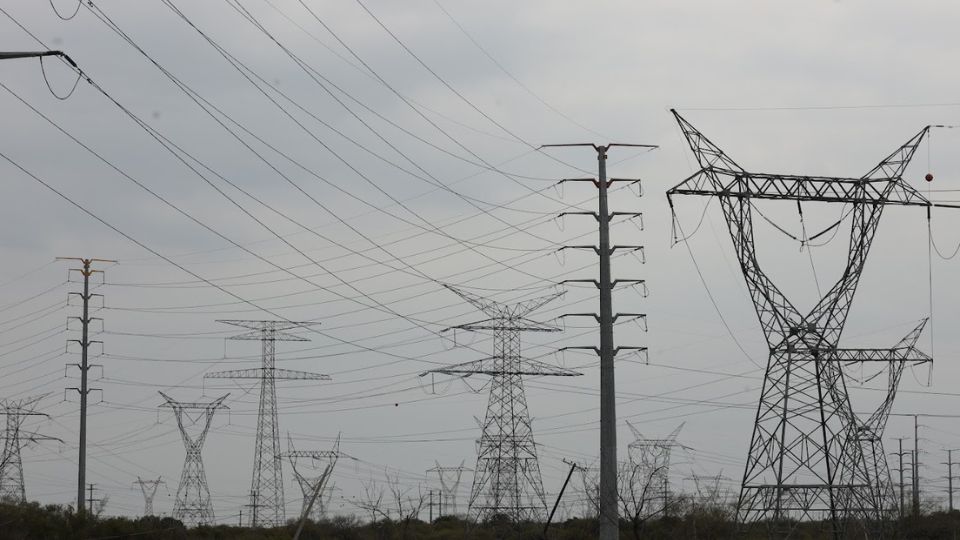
x,y
193,506
449,483
149,489
869,430
806,458
11,466
266,486
322,460
507,480
652,457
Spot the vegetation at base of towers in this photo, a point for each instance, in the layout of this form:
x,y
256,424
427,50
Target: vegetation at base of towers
x,y
55,522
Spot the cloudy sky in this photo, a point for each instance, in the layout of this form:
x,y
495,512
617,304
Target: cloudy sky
x,y
337,162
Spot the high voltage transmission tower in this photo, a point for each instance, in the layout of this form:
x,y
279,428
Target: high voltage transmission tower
x,y
507,479
193,506
869,431
266,486
609,511
149,489
807,459
652,458
449,478
315,487
86,271
11,466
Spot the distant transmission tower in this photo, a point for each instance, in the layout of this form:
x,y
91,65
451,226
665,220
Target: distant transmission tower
x,y
149,489
807,459
193,506
314,486
267,483
11,466
870,429
652,456
507,480
449,483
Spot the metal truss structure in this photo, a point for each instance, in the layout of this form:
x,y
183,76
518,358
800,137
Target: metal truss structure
x,y
507,481
314,486
449,478
149,489
193,506
11,466
266,486
807,457
648,477
869,430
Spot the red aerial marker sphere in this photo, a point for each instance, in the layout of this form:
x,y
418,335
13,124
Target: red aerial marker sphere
x,y
929,177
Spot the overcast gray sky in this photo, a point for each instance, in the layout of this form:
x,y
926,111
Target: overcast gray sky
x,y
367,181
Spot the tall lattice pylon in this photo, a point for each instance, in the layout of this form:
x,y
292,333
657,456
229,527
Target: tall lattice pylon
x,y
507,481
449,478
149,490
11,466
869,430
266,486
193,506
648,473
314,486
806,459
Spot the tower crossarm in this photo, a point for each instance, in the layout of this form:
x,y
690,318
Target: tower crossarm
x,y
271,330
197,405
257,373
898,356
489,366
743,185
497,310
512,325
904,354
312,454
209,408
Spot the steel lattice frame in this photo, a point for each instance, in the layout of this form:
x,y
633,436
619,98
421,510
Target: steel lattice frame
x,y
319,484
193,506
11,466
149,490
806,458
507,481
266,485
651,460
449,478
869,430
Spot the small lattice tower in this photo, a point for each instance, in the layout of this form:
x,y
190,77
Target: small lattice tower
x,y
193,506
323,461
652,458
449,478
11,467
266,485
149,490
507,481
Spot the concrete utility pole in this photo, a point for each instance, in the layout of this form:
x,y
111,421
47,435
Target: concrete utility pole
x,y
609,512
84,367
949,464
916,467
90,499
900,453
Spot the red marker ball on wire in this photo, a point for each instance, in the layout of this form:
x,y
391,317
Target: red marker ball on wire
x,y
928,177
